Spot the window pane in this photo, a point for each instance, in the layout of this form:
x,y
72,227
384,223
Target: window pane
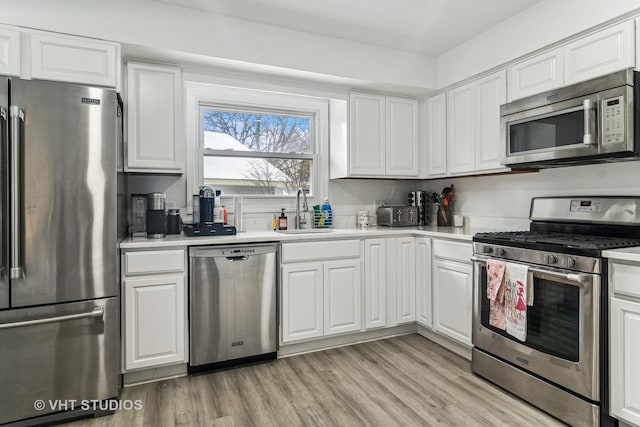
x,y
248,131
247,176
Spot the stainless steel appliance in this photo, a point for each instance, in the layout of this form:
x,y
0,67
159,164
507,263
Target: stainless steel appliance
x,y
138,221
156,215
397,216
204,222
58,282
232,305
420,199
588,122
562,365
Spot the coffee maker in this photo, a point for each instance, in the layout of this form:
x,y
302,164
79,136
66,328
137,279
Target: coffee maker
x,y
204,223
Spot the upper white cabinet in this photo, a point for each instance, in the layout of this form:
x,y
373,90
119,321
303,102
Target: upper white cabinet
x,y
473,125
437,135
9,52
538,74
604,52
383,138
74,59
154,142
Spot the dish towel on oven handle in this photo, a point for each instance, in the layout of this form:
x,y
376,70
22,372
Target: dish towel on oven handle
x,y
517,284
495,293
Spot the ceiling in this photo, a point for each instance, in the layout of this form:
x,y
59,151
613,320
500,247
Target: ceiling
x,y
423,26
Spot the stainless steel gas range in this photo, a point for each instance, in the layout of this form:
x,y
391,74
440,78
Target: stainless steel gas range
x,y
561,365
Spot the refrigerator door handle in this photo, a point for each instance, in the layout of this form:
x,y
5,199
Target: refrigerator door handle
x,y
96,313
17,115
3,127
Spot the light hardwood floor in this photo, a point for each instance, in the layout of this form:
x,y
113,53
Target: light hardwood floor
x,y
401,381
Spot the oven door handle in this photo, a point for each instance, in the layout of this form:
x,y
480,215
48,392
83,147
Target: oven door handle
x,y
571,277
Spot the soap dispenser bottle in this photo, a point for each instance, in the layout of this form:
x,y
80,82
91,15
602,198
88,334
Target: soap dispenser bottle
x,y
282,221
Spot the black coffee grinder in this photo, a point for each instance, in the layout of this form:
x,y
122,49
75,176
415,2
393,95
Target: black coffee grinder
x,y
205,225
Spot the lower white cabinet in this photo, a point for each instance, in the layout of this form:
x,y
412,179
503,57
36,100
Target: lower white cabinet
x,y
155,320
302,301
320,296
452,297
375,283
423,282
405,279
625,353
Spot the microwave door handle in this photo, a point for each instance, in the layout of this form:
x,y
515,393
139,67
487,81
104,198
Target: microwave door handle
x,y
589,137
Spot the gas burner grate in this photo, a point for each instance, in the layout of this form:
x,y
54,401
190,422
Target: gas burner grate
x,y
566,240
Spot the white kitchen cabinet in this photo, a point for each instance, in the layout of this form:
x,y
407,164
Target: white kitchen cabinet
x,y
423,282
401,136
383,137
302,301
155,320
154,142
437,135
461,133
536,74
608,50
491,92
342,297
452,295
405,279
9,52
625,353
74,59
375,285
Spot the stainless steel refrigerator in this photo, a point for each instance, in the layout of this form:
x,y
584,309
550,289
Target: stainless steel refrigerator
x,y
59,317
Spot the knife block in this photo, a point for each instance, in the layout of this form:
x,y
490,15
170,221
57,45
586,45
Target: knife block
x,y
444,216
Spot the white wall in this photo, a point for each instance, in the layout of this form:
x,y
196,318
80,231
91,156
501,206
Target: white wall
x,y
542,24
167,27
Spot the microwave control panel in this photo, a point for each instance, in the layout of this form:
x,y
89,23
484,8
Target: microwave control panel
x,y
613,120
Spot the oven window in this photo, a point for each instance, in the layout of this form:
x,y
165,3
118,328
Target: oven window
x,y
547,133
552,321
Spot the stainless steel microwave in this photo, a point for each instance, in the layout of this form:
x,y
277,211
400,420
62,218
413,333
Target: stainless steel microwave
x,y
590,122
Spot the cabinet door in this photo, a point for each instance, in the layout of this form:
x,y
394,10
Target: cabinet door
x,y
437,135
74,59
625,353
375,289
342,297
301,301
423,281
367,134
452,291
491,92
604,52
401,136
406,279
155,321
461,129
9,52
153,116
535,75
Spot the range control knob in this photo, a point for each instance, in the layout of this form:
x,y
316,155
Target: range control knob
x,y
499,251
487,249
549,259
569,262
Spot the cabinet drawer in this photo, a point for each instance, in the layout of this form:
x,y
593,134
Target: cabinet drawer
x,y
457,251
624,278
305,251
145,262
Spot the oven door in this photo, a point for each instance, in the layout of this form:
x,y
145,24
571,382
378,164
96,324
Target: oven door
x,y
562,343
586,126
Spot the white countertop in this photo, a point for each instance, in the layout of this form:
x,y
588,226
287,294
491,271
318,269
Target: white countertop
x,y
463,233
624,254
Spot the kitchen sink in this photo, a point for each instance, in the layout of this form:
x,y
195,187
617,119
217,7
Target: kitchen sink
x,y
305,231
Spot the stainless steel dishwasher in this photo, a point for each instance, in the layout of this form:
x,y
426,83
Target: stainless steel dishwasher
x,y
232,305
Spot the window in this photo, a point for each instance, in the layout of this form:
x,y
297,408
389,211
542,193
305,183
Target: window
x,y
257,152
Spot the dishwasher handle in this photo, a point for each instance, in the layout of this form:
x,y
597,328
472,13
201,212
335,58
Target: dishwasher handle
x,y
237,258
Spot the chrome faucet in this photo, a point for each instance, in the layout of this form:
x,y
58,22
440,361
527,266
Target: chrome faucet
x,y
305,207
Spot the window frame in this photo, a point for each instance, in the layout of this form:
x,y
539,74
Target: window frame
x,y
199,95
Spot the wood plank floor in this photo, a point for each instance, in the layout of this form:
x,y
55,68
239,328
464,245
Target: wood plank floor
x,y
401,381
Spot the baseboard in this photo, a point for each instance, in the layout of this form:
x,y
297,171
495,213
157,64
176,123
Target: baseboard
x,y
343,340
446,342
154,374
